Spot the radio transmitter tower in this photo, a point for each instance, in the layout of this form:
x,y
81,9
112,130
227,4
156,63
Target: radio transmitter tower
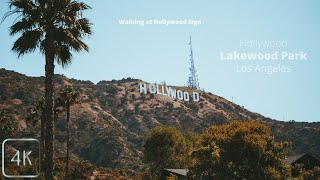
x,y
193,78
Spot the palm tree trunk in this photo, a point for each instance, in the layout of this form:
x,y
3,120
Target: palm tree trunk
x,y
68,139
42,141
49,98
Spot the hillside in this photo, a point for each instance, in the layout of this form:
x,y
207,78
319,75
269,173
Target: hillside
x,y
109,126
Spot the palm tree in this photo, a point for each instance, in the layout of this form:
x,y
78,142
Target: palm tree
x,y
68,97
36,112
55,27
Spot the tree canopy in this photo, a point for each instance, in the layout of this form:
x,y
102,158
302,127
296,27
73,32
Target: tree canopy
x,y
166,147
240,150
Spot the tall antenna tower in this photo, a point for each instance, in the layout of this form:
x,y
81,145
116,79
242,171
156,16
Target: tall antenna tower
x,y
193,78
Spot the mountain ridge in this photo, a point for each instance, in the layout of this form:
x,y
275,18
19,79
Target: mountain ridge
x,y
109,126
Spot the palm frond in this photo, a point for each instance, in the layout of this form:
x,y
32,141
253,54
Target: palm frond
x,y
76,6
69,96
63,55
54,25
84,25
9,13
27,42
22,26
70,37
26,7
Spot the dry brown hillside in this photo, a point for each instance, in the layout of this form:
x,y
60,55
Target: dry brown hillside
x,y
109,126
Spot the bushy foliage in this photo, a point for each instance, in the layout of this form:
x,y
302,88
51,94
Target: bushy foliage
x,y
6,125
239,151
136,109
312,174
166,147
299,172
170,107
193,106
81,170
111,89
172,177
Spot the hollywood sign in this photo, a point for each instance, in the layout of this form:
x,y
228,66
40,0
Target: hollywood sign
x,y
164,90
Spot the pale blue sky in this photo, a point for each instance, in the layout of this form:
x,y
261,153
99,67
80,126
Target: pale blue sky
x,y
160,53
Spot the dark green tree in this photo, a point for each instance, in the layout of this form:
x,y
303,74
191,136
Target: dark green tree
x,y
56,28
165,147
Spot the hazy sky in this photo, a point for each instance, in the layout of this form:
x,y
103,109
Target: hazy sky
x,y
157,53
